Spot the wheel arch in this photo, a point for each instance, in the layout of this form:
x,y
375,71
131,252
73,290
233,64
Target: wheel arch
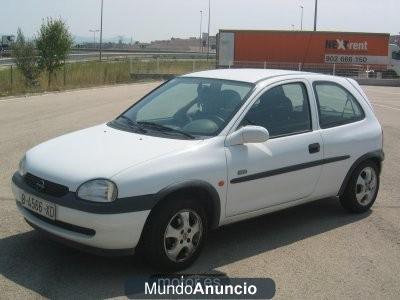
x,y
375,156
200,189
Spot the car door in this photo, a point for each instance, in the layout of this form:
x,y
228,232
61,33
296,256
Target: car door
x,y
345,131
284,168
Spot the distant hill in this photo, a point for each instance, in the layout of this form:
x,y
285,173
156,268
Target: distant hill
x,y
89,39
82,39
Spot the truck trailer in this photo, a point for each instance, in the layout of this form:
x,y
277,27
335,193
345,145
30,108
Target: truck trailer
x,y
309,50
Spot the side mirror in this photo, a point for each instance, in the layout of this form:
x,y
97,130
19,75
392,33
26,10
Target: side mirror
x,y
248,134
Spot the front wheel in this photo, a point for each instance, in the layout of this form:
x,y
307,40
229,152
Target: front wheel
x,y
175,234
362,188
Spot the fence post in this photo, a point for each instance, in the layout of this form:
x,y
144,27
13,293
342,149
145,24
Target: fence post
x,y
334,69
265,64
105,72
194,65
300,66
64,78
11,78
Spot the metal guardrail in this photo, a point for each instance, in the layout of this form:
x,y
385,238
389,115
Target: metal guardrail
x,y
7,61
92,54
346,70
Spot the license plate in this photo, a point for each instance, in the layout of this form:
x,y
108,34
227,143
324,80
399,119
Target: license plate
x,y
39,206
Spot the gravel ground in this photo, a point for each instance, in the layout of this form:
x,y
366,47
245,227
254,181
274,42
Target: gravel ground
x,y
313,251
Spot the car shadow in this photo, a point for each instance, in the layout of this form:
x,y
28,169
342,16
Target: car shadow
x,y
56,271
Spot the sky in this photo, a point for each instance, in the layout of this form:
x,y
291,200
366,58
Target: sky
x,y
147,20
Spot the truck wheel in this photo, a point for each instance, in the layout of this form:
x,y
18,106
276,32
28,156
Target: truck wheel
x,y
362,188
175,233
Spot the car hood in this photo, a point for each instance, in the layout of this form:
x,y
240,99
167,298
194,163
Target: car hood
x,y
97,152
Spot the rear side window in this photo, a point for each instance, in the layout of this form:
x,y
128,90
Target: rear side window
x,y
336,106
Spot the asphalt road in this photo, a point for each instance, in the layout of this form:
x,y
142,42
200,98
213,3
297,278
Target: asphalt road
x,y
313,251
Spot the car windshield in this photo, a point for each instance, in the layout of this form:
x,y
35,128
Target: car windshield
x,y
186,107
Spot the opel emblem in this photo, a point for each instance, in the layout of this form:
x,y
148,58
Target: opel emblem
x,y
40,185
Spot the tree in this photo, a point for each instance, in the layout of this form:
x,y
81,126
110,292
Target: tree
x,y
26,58
54,42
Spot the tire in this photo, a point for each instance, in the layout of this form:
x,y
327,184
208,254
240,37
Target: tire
x,y
179,222
362,188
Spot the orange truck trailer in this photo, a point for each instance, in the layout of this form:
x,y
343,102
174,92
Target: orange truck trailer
x,y
306,48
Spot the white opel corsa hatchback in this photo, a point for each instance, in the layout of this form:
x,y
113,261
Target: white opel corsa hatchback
x,y
201,151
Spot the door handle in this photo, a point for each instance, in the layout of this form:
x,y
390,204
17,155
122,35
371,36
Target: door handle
x,y
314,148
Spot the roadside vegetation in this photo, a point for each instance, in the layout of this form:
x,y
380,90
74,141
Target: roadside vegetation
x,y
40,65
95,73
54,42
26,59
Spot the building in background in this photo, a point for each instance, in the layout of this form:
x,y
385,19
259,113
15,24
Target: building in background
x,y
5,45
190,44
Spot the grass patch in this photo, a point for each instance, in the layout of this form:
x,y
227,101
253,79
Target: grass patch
x,y
95,73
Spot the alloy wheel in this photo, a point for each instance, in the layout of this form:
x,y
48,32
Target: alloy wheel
x,y
182,235
366,186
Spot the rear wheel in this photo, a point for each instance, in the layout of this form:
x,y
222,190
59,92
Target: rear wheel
x,y
362,188
175,234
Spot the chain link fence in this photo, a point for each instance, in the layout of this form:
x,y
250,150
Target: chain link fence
x,y
95,73
346,70
92,73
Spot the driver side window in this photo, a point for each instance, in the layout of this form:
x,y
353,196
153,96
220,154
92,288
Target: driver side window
x,y
282,110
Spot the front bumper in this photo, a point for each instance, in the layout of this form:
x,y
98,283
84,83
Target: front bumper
x,y
117,231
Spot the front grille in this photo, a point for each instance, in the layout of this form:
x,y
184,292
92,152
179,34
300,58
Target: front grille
x,y
44,186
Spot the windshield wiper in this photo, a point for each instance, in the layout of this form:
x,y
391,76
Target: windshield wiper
x,y
163,128
133,124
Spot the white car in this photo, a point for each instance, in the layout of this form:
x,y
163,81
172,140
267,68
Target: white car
x,y
201,151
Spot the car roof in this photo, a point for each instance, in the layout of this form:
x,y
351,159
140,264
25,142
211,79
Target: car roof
x,y
244,75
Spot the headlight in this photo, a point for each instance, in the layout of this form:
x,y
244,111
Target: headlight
x,y
98,190
22,166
